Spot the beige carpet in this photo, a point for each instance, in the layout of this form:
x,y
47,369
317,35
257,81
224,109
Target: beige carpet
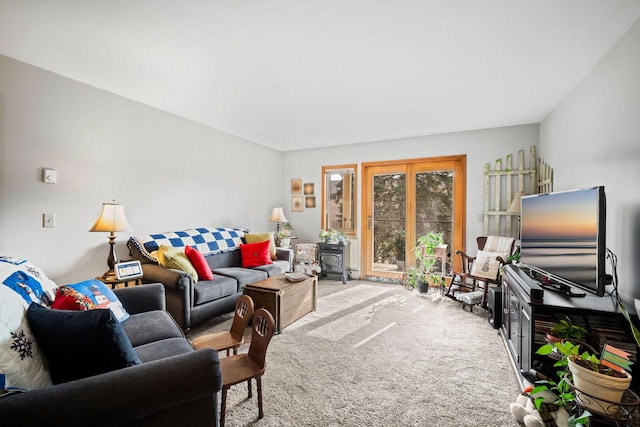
x,y
380,355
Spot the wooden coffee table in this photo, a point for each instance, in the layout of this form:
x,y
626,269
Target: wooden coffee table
x,y
286,301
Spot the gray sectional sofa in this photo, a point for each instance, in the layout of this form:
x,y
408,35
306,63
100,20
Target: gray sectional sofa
x,y
189,301
174,386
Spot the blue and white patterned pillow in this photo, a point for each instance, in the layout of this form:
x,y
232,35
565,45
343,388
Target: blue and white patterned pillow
x,y
101,296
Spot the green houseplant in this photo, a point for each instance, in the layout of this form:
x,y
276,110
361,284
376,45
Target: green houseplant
x,y
566,396
324,235
599,384
414,277
565,329
421,275
283,236
337,235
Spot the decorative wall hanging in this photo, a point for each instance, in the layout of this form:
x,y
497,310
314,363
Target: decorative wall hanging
x,y
308,189
297,203
310,201
296,186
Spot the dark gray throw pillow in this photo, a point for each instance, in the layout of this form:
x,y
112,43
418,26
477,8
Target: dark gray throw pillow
x,y
79,344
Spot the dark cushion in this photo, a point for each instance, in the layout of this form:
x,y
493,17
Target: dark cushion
x,y
79,344
224,259
161,349
151,326
275,269
244,276
222,286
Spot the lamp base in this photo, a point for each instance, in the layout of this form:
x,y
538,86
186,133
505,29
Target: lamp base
x,y
109,276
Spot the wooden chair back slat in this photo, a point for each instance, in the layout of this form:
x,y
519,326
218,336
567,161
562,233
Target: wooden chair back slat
x,y
243,313
263,330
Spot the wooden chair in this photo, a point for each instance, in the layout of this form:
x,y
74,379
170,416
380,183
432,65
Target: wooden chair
x,y
244,367
233,338
471,285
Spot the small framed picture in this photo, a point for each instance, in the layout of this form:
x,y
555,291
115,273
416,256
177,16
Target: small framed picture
x,y
308,188
310,201
296,186
297,203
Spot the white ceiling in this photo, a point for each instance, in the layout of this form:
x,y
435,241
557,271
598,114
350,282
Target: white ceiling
x,y
295,74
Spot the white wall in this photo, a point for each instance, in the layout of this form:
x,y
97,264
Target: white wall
x,y
480,147
172,173
593,138
169,173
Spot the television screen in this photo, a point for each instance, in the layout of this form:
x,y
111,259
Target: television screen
x,y
563,236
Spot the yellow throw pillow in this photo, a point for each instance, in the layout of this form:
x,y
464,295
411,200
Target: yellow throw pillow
x,y
261,237
171,257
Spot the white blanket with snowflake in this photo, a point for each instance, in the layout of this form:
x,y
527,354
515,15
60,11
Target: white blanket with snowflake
x,y
21,360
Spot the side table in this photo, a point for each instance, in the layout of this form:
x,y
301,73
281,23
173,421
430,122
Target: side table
x,y
334,259
116,283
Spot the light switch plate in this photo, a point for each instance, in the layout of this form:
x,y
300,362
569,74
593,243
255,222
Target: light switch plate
x,y
48,220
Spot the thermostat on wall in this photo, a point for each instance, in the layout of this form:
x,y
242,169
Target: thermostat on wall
x,y
49,176
128,270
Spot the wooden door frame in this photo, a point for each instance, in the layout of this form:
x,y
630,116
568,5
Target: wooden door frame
x,y
457,163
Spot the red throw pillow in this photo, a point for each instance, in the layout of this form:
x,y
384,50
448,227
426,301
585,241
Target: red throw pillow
x,y
199,263
255,254
70,299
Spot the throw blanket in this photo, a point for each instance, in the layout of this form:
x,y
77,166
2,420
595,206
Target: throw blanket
x,y
499,245
205,240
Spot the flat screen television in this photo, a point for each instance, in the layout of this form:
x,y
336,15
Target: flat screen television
x,y
563,237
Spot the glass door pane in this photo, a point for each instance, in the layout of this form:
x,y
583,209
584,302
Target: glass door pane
x,y
407,199
389,221
434,205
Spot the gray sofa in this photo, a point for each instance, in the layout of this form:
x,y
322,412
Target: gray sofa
x,y
174,386
191,302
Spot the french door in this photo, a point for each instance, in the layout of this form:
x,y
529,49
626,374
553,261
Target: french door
x,y
405,199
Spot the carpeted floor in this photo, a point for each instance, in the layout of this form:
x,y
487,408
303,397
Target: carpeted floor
x,y
378,354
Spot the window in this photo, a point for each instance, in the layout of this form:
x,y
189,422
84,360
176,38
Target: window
x,y
339,198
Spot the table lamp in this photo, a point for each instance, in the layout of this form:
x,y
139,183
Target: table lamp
x,y
514,207
277,216
111,219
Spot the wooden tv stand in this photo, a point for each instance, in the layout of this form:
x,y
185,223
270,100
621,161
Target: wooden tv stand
x,y
525,321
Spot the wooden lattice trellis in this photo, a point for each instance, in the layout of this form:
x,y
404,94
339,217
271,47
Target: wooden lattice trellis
x,y
502,185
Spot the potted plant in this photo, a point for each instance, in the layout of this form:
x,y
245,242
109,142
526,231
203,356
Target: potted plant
x,y
415,278
283,236
421,276
287,229
337,235
283,239
565,329
324,236
565,394
601,384
426,252
599,387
